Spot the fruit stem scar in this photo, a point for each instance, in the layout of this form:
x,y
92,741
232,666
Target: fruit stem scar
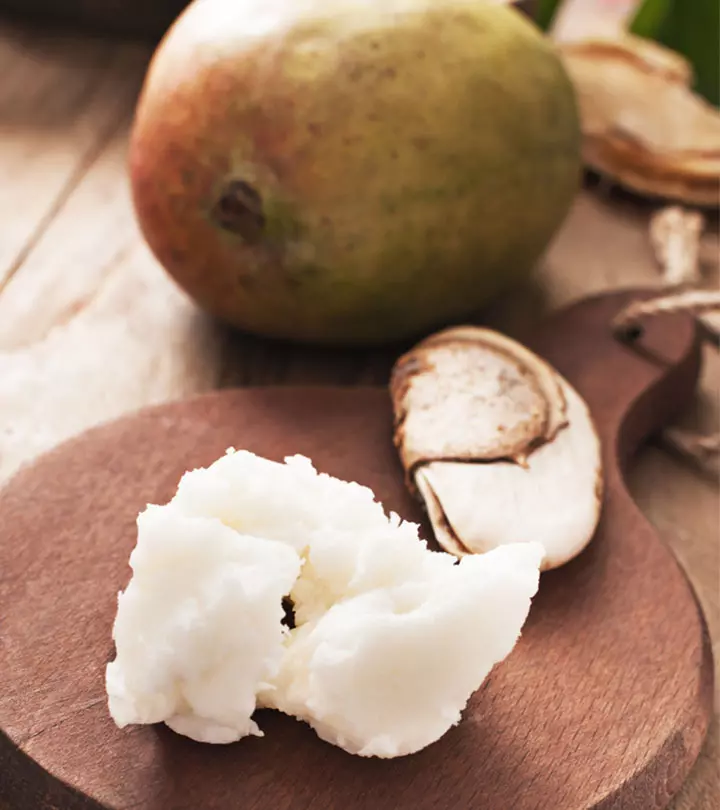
x,y
239,209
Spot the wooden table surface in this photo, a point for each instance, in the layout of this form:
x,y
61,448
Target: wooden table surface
x,y
91,328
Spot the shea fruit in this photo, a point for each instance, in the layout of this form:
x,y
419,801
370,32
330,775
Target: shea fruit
x,y
352,172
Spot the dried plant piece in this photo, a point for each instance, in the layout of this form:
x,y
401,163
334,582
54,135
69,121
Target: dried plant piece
x,y
627,323
704,304
498,445
675,239
675,235
642,124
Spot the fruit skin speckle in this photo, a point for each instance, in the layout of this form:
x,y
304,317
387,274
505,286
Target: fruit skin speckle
x,y
395,193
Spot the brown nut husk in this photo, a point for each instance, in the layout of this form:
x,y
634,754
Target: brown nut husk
x,y
642,124
453,394
500,448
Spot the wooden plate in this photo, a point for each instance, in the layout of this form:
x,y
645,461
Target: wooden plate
x,y
604,703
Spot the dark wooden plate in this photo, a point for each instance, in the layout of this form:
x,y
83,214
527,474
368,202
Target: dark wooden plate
x,y
604,703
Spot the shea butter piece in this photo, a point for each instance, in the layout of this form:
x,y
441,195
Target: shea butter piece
x,y
388,672
390,638
199,628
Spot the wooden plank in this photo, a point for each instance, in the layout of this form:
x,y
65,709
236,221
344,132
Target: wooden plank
x,y
134,341
90,326
60,101
95,226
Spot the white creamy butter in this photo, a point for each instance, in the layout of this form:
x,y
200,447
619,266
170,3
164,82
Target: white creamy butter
x,y
198,630
388,672
391,638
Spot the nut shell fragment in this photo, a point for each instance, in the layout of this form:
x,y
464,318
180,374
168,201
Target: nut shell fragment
x,y
554,499
500,448
471,394
642,124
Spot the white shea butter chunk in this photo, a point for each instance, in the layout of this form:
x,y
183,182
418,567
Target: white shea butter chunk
x,y
199,628
391,639
388,672
286,502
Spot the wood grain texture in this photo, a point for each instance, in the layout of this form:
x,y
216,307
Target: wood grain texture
x,y
604,703
69,361
89,328
59,105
